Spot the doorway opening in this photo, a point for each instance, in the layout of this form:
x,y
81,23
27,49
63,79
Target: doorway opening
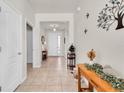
x,y
56,37
56,43
29,46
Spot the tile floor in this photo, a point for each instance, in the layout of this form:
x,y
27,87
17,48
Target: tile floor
x,y
52,76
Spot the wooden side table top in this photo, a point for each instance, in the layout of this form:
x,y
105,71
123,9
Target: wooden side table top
x,y
95,80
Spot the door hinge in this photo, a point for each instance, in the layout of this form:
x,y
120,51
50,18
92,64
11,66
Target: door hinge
x,y
19,53
0,49
0,9
0,89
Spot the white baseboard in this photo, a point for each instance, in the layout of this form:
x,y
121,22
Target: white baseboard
x,y
11,87
36,66
23,80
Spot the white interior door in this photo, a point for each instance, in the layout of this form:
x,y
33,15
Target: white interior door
x,y
55,44
52,44
9,26
3,41
61,45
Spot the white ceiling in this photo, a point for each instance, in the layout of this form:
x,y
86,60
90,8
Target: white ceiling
x,y
62,26
53,6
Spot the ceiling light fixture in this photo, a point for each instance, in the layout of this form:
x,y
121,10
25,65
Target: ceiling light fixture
x,y
54,29
78,8
54,26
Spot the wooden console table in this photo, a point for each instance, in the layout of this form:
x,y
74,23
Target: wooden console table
x,y
94,81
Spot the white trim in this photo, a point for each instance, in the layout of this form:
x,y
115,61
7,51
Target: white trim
x,y
27,22
66,17
36,66
13,8
23,79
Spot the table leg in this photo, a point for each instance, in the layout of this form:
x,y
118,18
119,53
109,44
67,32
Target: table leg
x,y
79,80
90,87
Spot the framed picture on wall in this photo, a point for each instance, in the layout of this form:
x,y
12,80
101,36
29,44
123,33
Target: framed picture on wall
x,y
42,39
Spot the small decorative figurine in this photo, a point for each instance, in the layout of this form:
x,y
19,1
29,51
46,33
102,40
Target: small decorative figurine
x,y
87,15
91,55
85,31
43,39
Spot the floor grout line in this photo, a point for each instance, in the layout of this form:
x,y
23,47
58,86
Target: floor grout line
x,y
52,69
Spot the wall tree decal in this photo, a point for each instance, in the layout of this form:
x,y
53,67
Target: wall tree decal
x,y
113,12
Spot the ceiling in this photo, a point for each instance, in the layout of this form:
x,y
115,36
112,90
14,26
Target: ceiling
x,y
60,26
53,6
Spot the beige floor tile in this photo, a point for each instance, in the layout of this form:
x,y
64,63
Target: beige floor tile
x,y
53,76
69,88
31,89
53,88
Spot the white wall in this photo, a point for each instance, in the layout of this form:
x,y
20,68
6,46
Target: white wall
x,y
109,46
24,7
49,17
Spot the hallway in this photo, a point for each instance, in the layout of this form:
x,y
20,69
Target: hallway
x,y
51,76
